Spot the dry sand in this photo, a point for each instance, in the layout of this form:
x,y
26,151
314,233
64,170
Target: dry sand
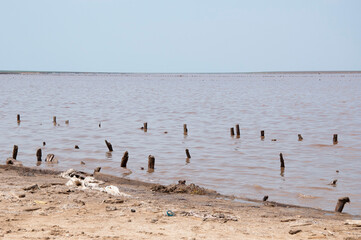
x,y
53,210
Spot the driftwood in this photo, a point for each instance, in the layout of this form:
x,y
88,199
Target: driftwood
x,y
238,131
300,138
185,129
151,162
51,158
341,203
15,151
109,145
38,155
125,158
282,161
187,153
335,140
232,132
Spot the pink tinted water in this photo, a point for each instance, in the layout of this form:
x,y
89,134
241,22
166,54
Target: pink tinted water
x,y
284,105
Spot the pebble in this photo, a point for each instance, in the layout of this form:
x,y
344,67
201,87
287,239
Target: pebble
x,y
292,232
132,210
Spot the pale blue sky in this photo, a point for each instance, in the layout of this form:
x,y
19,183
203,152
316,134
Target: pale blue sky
x,y
180,36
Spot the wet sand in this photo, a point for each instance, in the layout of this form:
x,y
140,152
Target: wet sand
x,y
55,211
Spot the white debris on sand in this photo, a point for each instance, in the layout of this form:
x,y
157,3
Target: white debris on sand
x,y
78,179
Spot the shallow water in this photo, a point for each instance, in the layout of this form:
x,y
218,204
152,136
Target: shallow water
x,y
284,105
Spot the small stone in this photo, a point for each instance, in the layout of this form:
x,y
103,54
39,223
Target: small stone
x,y
110,208
76,147
132,210
292,232
21,195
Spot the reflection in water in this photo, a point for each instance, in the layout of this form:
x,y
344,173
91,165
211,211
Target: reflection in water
x,y
98,108
109,154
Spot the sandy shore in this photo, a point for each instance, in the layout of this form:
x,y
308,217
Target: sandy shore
x,y
38,205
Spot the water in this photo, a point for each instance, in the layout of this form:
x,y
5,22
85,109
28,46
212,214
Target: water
x,y
284,105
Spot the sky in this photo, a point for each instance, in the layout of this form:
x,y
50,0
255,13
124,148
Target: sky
x,y
180,36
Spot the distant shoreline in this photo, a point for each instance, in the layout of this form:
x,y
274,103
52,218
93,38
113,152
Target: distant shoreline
x,y
180,73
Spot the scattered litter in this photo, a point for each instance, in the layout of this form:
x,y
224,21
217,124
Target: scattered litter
x,y
170,213
110,208
356,223
51,158
80,179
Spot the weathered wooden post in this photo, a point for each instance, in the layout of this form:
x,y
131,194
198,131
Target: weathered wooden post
x,y
238,131
54,120
124,160
151,162
341,203
18,118
38,155
109,145
15,151
145,127
300,138
232,132
187,153
282,161
262,133
185,130
335,140
67,122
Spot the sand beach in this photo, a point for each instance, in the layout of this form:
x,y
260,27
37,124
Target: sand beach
x,y
37,204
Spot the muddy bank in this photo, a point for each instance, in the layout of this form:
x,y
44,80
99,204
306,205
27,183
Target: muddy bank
x,y
37,204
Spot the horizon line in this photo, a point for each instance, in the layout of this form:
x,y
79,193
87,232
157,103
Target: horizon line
x,y
172,73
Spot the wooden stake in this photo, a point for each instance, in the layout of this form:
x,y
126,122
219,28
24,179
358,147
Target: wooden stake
x,y
300,138
145,128
54,119
67,122
109,145
15,151
341,203
238,131
124,159
282,161
18,118
262,133
187,153
335,141
185,129
151,162
232,132
97,169
38,155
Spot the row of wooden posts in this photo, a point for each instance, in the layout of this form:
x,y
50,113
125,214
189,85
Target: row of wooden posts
x,y
151,159
185,130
